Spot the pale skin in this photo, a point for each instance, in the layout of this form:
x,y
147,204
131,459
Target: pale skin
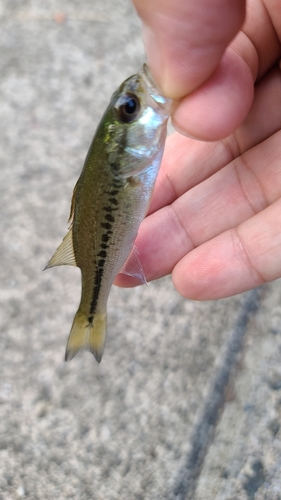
x,y
215,218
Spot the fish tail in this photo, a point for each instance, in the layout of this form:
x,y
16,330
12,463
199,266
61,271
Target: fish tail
x,y
87,332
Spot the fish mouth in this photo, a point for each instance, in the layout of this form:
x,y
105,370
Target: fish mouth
x,y
165,103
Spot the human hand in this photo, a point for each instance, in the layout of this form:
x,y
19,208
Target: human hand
x,y
215,217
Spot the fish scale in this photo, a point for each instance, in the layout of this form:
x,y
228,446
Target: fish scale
x,y
109,202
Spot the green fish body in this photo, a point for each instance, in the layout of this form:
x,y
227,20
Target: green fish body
x,y
110,201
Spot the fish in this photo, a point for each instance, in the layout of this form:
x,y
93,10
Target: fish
x,y
109,202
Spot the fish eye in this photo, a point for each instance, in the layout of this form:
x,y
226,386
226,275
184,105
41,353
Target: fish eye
x,y
129,109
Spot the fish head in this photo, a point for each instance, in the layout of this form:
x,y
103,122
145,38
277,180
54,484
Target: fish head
x,y
136,124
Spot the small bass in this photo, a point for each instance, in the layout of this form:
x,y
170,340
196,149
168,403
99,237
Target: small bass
x,y
110,201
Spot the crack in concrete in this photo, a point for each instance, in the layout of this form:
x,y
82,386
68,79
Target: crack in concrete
x,y
185,480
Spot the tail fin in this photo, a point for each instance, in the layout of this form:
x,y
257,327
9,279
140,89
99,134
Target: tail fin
x,y
87,333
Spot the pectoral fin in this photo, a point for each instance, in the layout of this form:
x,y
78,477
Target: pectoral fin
x,y
64,255
133,267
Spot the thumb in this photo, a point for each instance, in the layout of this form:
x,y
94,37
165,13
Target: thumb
x,y
185,39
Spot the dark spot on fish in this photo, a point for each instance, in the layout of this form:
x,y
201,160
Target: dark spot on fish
x,y
114,167
96,290
109,208
107,226
133,181
109,217
104,245
105,237
113,201
118,184
90,319
101,262
114,192
102,253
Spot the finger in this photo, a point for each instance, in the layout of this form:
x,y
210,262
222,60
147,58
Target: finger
x,y
237,260
216,108
258,42
244,187
185,40
186,162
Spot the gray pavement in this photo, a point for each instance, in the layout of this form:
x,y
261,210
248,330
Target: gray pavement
x,y
187,400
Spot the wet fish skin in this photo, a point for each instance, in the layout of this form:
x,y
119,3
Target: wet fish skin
x,y
110,201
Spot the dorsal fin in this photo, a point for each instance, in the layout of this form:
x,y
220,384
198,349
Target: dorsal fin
x,y
64,255
72,206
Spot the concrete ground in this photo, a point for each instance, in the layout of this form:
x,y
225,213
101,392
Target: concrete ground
x,y
186,403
